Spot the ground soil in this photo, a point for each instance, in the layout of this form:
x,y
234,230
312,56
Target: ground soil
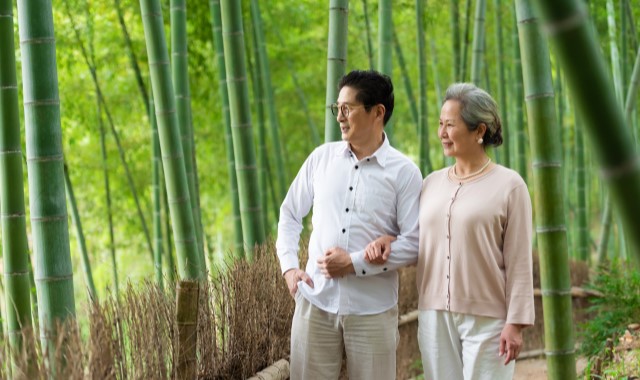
x,y
536,368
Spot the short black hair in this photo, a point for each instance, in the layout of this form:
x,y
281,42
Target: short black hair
x,y
372,88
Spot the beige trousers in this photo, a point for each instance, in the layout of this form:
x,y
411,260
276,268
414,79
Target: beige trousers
x,y
461,346
318,339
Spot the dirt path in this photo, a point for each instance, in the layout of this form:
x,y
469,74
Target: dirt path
x,y
536,369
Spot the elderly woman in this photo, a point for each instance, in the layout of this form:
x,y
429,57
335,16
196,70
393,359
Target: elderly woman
x,y
474,276
474,272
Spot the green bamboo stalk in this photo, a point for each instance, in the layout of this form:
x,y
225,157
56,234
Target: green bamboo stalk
x,y
603,244
107,189
176,182
336,63
423,124
477,54
82,246
367,25
385,47
171,266
224,96
234,53
279,150
94,76
582,230
613,46
455,36
518,94
549,210
258,94
502,86
48,208
156,168
15,246
406,79
465,48
182,93
436,76
632,25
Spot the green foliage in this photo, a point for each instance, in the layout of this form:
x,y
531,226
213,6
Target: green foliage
x,y
618,307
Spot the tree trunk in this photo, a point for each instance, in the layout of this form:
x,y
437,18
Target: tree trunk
x,y
549,210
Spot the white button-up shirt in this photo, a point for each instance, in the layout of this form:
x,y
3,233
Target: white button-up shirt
x,y
354,202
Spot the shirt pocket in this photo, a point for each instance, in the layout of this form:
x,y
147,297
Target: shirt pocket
x,y
376,207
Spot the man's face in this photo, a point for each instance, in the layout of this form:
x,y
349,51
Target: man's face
x,y
358,126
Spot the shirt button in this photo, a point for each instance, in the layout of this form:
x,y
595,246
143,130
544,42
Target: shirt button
x,y
447,276
368,160
447,237
347,210
356,167
364,272
344,230
447,307
385,269
447,257
350,188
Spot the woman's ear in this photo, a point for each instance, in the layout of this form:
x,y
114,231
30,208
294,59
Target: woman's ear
x,y
482,130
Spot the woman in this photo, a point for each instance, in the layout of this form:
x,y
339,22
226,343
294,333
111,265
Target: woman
x,y
474,272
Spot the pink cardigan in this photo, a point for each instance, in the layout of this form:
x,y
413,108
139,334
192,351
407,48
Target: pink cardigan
x,y
475,246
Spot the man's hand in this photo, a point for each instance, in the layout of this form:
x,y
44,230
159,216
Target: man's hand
x,y
510,342
293,276
378,251
336,262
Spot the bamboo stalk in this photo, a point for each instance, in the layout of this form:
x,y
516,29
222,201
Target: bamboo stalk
x,y
385,48
173,158
224,96
336,62
82,245
15,246
547,169
423,124
367,26
477,56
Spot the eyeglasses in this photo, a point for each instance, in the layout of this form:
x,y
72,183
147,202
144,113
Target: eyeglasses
x,y
344,108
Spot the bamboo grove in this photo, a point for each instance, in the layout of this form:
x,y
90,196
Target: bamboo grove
x,y
195,117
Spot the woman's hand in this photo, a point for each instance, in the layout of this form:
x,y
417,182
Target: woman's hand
x,y
378,251
510,342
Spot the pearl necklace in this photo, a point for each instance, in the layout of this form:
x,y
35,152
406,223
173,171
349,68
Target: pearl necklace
x,y
454,175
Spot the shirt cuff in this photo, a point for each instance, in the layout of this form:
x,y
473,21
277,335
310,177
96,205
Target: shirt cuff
x,y
288,261
363,267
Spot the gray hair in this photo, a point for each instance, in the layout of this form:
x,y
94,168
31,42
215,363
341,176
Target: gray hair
x,y
476,107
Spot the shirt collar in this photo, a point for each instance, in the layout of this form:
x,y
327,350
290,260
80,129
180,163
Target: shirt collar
x,y
380,154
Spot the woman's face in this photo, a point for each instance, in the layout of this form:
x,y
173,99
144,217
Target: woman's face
x,y
457,141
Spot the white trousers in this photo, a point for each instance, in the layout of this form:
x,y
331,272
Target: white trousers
x,y
318,339
461,346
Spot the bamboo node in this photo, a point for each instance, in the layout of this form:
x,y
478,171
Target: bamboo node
x,y
11,87
7,152
44,40
556,292
548,229
560,352
571,22
46,102
46,158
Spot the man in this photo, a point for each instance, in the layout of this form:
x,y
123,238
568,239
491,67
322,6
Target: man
x,y
360,189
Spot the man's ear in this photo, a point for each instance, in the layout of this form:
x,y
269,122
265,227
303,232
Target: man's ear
x,y
380,111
